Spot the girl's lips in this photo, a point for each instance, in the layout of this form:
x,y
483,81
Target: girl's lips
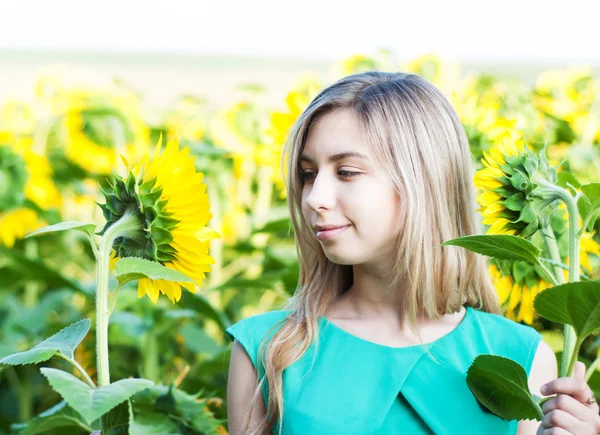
x,y
330,234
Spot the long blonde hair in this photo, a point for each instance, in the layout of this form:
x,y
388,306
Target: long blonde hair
x,y
417,138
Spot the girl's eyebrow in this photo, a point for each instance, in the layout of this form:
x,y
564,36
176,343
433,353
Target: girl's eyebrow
x,y
336,157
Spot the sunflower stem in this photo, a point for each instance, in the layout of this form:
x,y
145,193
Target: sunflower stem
x,y
32,288
570,349
126,225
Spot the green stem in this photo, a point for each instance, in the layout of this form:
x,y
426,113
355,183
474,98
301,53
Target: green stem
x,y
81,370
590,371
151,365
574,242
574,357
538,409
547,274
552,247
23,389
126,225
570,350
32,288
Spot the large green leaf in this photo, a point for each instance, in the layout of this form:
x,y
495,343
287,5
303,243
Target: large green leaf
x,y
64,226
59,416
576,304
132,268
184,408
148,422
92,403
589,204
64,341
502,246
500,384
116,421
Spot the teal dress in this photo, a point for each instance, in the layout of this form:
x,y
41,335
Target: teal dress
x,y
357,387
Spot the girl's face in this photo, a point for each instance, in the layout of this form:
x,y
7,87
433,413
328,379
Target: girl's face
x,y
347,190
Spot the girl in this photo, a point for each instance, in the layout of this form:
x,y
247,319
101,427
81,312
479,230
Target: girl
x,y
384,323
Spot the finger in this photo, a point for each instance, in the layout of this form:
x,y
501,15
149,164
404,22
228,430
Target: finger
x,y
556,431
579,371
569,405
566,385
564,420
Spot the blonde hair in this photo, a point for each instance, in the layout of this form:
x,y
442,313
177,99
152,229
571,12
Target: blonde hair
x,y
417,138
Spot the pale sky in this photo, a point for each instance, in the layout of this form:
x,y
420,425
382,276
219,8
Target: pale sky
x,y
470,30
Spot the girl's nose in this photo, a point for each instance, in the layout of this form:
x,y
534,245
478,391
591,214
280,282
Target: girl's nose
x,y
322,192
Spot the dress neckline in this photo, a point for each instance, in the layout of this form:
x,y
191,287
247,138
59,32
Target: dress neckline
x,y
457,329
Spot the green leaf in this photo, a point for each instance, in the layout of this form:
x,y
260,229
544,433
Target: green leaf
x,y
181,407
64,226
64,341
116,421
92,403
565,177
589,205
500,384
59,416
132,268
147,422
575,303
502,246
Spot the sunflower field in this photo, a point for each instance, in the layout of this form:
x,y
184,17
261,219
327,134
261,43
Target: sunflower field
x,y
152,237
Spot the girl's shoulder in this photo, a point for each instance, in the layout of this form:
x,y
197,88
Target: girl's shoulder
x,y
249,332
502,336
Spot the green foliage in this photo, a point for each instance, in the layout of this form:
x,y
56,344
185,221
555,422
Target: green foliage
x,y
85,228
131,268
500,384
65,341
60,415
576,304
504,247
92,403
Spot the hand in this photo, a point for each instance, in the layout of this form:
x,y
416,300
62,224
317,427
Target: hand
x,y
568,413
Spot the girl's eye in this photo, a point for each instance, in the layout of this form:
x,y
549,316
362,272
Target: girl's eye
x,y
307,176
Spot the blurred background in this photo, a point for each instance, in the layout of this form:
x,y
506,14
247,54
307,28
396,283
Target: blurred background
x,y
82,83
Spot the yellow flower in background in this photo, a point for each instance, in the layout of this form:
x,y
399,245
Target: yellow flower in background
x,y
517,298
15,224
357,63
569,94
186,120
169,199
95,120
303,92
85,153
235,224
24,177
443,73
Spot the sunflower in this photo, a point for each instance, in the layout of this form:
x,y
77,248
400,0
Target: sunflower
x,y
170,203
517,283
26,187
513,199
443,73
303,91
517,297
